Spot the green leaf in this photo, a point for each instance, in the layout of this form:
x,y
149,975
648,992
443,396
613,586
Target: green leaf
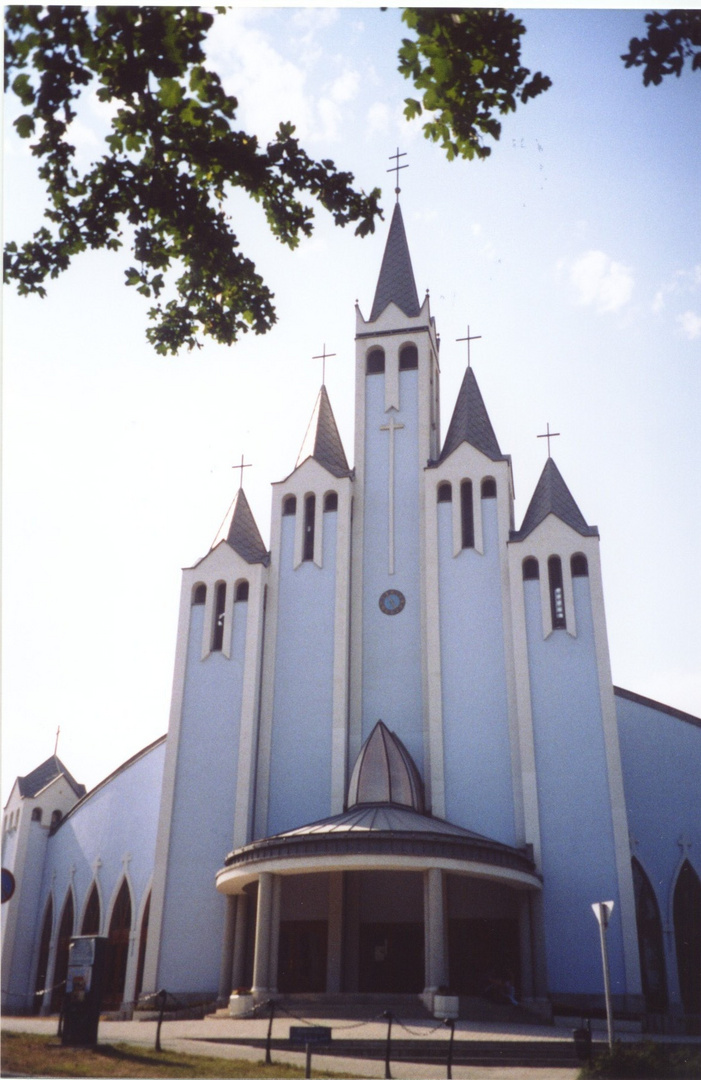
x,y
25,126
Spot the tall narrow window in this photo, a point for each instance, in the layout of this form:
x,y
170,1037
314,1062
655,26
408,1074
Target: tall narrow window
x,y
557,596
375,363
530,569
309,515
408,358
466,514
91,918
219,609
687,936
650,946
445,492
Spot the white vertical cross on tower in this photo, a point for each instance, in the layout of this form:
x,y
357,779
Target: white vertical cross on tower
x,y
392,426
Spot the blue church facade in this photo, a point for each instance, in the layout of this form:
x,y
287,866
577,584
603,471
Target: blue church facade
x,y
396,761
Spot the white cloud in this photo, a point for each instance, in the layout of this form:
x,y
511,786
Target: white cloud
x,y
690,324
601,282
345,87
378,118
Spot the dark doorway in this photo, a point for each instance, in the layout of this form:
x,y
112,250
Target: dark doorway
x,y
65,933
391,958
43,965
480,950
687,935
117,950
650,944
302,957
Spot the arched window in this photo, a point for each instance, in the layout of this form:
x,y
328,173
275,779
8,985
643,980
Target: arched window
x,y
309,515
117,949
44,947
445,492
56,817
466,514
330,502
241,593
489,488
65,932
36,814
687,936
579,565
531,571
91,917
408,358
557,595
219,610
375,362
143,938
199,594
650,944
289,506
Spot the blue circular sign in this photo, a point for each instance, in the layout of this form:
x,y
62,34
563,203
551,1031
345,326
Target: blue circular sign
x,y
8,884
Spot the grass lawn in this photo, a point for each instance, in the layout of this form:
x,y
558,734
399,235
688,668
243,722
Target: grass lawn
x,y
43,1055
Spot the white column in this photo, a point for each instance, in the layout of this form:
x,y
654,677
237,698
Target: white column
x,y
275,933
239,951
261,959
434,929
227,956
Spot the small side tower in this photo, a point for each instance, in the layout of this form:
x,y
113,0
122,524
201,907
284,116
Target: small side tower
x,y
574,802
208,783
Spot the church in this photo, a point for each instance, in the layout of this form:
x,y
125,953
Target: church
x,y
396,762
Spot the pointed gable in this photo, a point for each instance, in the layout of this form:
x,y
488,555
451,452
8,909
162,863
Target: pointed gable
x,y
396,281
470,422
49,770
240,531
552,496
322,441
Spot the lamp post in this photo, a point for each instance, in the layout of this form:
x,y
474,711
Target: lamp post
x,y
603,911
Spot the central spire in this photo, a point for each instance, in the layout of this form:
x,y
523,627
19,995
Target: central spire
x,y
396,281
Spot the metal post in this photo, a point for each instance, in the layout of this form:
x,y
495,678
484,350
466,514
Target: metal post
x,y
308,1062
162,998
271,1004
388,1016
451,1025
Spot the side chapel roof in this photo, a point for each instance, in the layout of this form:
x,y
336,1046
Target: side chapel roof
x,y
322,441
552,496
35,781
385,772
396,281
240,531
470,422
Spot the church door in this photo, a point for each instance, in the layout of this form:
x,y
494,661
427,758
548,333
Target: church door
x,y
391,958
302,957
481,951
61,967
687,934
117,950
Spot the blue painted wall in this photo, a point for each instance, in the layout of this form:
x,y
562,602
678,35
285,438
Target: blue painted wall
x,y
478,782
392,643
300,764
203,810
573,799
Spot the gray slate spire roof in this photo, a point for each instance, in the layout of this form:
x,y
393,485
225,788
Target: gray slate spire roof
x,y
35,781
322,441
240,531
396,280
552,496
470,422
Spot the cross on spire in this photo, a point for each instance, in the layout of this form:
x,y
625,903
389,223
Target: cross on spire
x,y
58,732
396,168
241,467
468,339
548,435
323,356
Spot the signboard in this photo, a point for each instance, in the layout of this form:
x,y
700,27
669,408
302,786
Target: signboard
x,y
309,1035
8,884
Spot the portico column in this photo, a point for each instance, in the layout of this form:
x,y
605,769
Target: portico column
x,y
275,932
261,958
239,957
227,957
434,931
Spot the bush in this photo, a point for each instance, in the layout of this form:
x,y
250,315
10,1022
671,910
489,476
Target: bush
x,y
644,1061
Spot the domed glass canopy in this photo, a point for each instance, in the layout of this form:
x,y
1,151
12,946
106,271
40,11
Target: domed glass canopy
x,y
385,773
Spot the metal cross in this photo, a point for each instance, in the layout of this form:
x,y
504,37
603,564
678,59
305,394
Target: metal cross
x,y
548,435
396,168
241,467
468,339
324,356
58,732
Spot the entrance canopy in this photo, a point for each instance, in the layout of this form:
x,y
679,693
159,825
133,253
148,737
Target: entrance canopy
x,y
379,836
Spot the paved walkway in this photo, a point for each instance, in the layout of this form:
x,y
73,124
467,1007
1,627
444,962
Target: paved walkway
x,y
192,1037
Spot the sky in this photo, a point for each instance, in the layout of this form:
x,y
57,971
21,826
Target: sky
x,y
574,250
